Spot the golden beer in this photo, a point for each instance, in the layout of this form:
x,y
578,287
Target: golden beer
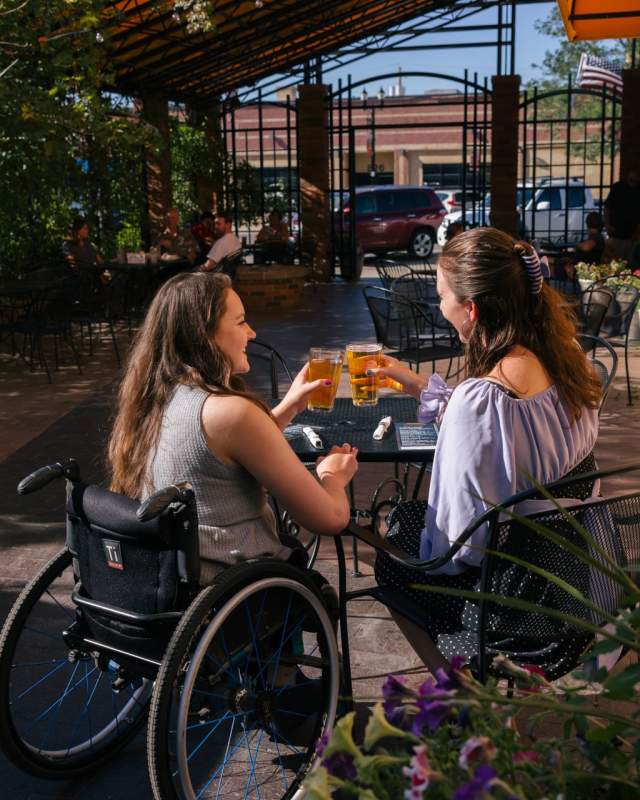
x,y
326,365
360,358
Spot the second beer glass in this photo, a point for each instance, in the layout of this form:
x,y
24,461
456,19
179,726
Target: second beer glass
x,y
360,358
326,364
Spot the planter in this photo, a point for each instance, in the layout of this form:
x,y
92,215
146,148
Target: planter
x,y
270,288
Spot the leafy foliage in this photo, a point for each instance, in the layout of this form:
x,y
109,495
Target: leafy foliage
x,y
454,737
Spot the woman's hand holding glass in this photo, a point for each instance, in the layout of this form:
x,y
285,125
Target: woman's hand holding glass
x,y
412,382
295,400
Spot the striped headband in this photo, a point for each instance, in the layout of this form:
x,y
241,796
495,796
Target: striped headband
x,y
537,269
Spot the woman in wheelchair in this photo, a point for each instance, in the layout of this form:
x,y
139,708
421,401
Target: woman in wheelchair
x,y
527,409
184,415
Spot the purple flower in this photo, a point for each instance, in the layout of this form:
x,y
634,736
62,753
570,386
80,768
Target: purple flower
x,y
321,744
394,688
430,690
341,766
448,679
430,715
395,713
474,789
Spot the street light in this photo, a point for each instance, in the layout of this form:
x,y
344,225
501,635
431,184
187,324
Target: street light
x,y
381,95
364,96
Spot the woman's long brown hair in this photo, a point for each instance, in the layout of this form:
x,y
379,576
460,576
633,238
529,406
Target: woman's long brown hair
x,y
174,345
485,265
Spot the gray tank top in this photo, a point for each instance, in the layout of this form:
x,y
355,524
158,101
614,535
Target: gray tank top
x,y
235,521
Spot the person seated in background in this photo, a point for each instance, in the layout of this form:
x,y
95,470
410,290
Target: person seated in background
x,y
174,242
78,251
226,247
273,240
589,251
526,412
453,230
204,233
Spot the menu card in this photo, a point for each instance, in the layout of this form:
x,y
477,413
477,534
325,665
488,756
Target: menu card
x,y
416,435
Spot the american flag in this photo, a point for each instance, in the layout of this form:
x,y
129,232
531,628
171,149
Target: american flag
x,y
595,72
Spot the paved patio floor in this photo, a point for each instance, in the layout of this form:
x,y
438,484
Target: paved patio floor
x,y
43,423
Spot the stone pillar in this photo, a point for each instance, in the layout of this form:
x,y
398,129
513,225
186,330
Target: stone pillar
x,y
209,181
504,152
313,165
155,112
401,167
630,130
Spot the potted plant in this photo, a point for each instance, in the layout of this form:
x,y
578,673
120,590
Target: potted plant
x,y
453,738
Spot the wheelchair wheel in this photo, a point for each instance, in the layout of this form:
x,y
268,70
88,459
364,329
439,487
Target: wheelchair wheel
x,y
60,713
248,685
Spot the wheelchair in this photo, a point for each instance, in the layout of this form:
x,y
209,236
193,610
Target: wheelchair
x,y
236,681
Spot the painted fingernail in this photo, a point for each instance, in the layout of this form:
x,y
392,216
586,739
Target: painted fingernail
x,y
327,383
370,372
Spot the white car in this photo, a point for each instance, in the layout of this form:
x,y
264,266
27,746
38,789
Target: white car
x,y
554,212
477,214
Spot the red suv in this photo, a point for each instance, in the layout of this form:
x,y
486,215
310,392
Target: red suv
x,y
396,218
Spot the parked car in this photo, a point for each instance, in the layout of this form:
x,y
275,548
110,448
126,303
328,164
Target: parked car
x,y
476,214
452,198
553,212
392,217
556,213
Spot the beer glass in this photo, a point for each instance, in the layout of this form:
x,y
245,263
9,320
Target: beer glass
x,y
360,358
324,364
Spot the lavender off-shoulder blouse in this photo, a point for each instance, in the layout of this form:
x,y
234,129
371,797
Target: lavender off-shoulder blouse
x,y
488,443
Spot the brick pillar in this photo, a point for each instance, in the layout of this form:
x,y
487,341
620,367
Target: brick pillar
x,y
630,130
155,112
504,152
313,165
401,167
209,184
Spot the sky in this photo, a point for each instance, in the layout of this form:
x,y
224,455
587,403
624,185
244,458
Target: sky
x,y
530,49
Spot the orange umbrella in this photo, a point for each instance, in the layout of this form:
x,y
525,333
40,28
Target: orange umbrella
x,y
601,19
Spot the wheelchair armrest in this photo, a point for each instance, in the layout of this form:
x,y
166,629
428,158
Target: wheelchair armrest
x,y
41,477
161,501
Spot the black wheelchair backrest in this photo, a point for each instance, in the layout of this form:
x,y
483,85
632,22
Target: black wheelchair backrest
x,y
125,562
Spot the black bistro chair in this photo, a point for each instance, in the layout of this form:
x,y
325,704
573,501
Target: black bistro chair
x,y
411,332
389,271
617,323
579,567
606,373
595,303
116,632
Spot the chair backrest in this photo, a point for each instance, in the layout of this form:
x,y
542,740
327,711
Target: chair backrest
x,y
572,553
623,306
265,358
596,301
394,317
230,263
389,271
606,373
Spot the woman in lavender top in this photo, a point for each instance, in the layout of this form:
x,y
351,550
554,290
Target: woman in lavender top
x,y
526,408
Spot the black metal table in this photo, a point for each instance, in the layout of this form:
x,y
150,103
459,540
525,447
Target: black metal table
x,y
355,425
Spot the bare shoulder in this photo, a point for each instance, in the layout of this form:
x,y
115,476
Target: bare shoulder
x,y
522,372
227,411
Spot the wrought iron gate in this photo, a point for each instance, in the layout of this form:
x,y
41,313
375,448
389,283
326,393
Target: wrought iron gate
x,y
441,139
569,143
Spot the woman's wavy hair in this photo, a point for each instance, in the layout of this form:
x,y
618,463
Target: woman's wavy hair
x,y
485,265
174,346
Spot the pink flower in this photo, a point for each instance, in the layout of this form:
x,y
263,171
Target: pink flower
x,y
419,772
476,748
